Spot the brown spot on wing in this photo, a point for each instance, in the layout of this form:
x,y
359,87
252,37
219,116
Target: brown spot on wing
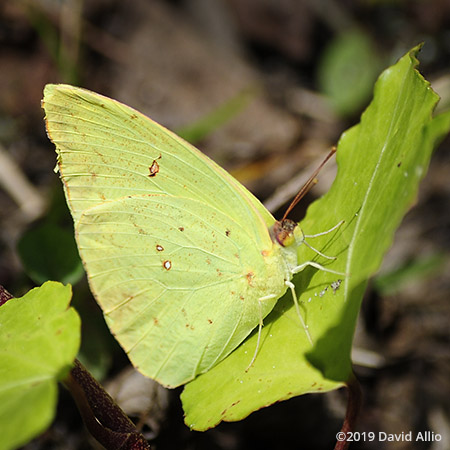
x,y
154,168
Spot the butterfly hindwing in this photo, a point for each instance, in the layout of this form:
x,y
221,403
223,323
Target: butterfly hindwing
x,y
179,281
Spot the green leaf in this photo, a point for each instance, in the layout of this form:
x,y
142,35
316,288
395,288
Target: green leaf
x,y
49,252
40,336
381,162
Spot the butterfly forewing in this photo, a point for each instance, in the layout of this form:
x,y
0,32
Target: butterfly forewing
x,y
107,150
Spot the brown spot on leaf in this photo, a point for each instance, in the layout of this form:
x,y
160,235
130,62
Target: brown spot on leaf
x,y
160,248
226,409
181,228
210,321
167,264
227,232
250,276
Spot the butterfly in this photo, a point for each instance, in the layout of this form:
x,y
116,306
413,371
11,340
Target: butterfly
x,y
184,261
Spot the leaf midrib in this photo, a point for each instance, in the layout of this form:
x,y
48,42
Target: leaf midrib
x,y
367,195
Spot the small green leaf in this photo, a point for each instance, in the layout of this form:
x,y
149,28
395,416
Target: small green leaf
x,y
347,71
381,162
418,269
39,336
49,252
218,117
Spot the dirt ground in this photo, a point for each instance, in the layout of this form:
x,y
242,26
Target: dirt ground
x,y
179,60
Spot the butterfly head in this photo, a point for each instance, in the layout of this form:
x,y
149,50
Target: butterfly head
x,y
286,232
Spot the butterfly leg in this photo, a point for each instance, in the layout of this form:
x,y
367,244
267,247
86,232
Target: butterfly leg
x,y
311,236
297,307
294,294
324,232
317,251
317,266
260,325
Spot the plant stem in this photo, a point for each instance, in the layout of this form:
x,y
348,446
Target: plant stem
x,y
4,295
353,407
104,419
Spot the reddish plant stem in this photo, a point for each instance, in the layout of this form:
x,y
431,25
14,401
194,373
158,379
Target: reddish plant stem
x,y
4,295
353,407
104,419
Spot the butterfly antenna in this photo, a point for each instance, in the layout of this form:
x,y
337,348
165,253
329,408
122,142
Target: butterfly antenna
x,y
312,180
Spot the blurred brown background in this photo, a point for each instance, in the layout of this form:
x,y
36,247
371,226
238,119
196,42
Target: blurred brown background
x,y
265,87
